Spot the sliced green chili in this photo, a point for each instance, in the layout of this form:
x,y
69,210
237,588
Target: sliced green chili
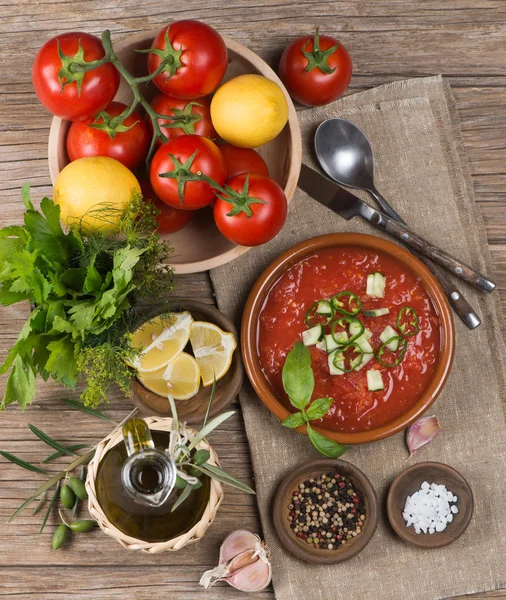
x,y
347,303
400,352
407,312
313,317
340,360
342,322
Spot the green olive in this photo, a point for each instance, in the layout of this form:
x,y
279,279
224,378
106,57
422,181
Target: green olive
x,y
78,488
60,536
67,497
82,526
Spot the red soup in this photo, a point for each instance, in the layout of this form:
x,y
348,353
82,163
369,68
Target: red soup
x,y
361,401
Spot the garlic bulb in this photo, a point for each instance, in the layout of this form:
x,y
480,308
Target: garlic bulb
x,y
244,563
421,433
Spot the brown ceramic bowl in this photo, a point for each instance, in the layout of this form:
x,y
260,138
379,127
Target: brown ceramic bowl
x,y
262,287
227,388
200,246
300,548
408,482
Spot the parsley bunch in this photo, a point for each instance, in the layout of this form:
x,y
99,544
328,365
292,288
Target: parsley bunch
x,y
83,288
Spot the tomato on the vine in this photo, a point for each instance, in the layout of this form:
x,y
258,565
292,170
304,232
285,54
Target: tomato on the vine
x,y
68,94
243,160
169,219
255,214
128,141
196,59
195,114
315,70
179,163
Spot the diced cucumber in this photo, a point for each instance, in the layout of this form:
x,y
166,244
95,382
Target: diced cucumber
x,y
332,368
376,283
332,344
312,336
359,364
367,333
377,312
374,381
363,340
387,334
324,308
370,285
322,346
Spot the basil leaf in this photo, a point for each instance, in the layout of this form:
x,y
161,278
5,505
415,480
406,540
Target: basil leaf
x,y
298,378
294,421
324,445
319,408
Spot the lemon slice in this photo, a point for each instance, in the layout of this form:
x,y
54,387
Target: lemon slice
x,y
162,340
213,349
180,378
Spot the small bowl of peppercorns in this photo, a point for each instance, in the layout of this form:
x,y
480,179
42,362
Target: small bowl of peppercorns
x,y
325,511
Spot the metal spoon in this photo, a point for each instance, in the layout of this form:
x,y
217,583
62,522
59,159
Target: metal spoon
x,y
345,154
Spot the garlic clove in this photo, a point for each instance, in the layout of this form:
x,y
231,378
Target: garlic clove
x,y
237,542
422,432
244,563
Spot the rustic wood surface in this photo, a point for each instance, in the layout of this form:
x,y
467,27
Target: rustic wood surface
x,y
388,40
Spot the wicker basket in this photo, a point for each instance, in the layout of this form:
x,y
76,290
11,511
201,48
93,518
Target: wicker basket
x,y
191,536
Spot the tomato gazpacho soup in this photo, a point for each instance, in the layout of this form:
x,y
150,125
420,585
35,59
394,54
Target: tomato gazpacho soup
x,y
371,328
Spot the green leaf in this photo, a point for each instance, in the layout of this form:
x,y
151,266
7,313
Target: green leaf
x,y
201,457
39,504
61,362
293,421
82,315
71,448
21,463
90,411
205,431
319,408
40,286
298,378
25,196
180,483
93,281
8,297
49,508
324,445
224,477
211,398
20,386
184,495
54,309
49,440
61,325
74,278
126,258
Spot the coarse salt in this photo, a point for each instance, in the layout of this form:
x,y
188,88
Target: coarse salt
x,y
428,510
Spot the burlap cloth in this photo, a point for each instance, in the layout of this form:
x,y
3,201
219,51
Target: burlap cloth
x,y
421,168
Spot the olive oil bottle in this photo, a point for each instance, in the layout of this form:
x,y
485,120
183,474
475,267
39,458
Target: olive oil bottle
x,y
135,487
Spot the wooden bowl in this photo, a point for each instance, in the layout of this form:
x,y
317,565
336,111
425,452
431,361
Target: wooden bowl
x,y
299,547
408,482
200,246
227,388
262,287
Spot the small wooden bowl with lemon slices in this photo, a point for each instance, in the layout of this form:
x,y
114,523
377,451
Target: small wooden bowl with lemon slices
x,y
192,410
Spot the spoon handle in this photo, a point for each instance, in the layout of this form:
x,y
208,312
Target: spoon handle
x,y
438,255
455,297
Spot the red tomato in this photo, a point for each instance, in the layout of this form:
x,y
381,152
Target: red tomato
x,y
329,71
208,160
128,147
170,219
197,118
254,223
243,160
199,59
98,87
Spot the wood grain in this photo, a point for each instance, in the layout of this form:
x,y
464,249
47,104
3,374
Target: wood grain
x,y
388,40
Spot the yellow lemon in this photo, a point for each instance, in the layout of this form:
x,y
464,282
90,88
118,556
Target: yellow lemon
x,y
249,110
180,378
213,349
162,339
93,192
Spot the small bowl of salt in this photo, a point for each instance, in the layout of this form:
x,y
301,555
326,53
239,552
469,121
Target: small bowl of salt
x,y
430,505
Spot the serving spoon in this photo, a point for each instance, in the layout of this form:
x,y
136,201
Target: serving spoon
x,y
345,154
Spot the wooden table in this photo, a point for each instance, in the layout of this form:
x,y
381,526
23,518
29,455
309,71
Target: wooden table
x,y
388,40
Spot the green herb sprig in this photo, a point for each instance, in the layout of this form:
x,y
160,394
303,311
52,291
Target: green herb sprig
x,y
298,383
84,288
